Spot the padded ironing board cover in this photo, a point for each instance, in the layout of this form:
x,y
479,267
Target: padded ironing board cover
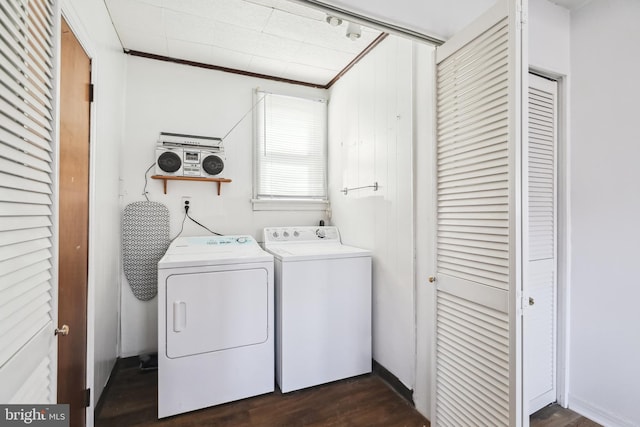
x,y
145,239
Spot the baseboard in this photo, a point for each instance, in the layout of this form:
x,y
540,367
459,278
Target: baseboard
x,y
598,414
394,382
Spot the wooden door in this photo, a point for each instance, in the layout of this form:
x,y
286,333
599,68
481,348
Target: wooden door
x,y
75,79
479,115
540,244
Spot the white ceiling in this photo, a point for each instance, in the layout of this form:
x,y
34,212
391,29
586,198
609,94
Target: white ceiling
x,y
272,37
279,38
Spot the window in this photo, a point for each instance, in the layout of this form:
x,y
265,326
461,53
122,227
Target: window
x,y
291,149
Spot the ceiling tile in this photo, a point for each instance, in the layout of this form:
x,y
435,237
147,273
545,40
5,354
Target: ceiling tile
x,y
270,67
134,39
183,26
188,50
315,75
321,57
136,14
285,24
237,12
230,59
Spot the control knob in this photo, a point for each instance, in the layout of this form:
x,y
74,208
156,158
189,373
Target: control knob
x,y
321,233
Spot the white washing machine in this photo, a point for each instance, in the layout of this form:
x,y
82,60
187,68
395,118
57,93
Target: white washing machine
x,y
215,323
323,306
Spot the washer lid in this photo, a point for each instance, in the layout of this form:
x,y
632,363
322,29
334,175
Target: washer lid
x,y
314,251
212,250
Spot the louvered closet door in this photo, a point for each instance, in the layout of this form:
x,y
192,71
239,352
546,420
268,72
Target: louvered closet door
x,y
26,140
540,266
479,116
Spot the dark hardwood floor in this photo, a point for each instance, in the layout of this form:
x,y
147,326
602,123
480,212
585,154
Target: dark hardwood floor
x,y
130,400
556,416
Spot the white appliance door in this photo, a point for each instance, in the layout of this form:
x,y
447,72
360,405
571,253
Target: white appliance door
x,y
478,335
216,311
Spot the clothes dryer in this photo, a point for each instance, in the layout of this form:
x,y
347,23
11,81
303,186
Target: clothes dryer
x,y
323,306
215,323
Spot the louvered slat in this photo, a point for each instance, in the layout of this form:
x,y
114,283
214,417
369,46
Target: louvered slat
x,y
31,113
37,385
541,172
12,51
22,248
20,288
24,260
13,168
26,114
12,209
11,63
492,153
24,184
23,274
472,371
24,94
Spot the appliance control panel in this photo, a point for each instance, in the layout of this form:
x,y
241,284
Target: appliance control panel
x,y
301,234
220,240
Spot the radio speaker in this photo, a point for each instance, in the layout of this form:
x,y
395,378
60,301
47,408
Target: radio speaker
x,y
212,164
169,161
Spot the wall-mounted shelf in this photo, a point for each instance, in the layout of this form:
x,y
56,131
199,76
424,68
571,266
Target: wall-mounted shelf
x,y
189,178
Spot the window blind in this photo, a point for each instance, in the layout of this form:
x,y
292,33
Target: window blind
x,y
291,147
26,146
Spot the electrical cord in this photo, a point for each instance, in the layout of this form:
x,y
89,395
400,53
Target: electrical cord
x,y
184,218
186,215
210,231
144,191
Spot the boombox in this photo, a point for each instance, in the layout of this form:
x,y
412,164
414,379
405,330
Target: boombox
x,y
189,155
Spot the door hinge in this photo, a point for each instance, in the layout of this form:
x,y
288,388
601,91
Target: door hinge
x,y
87,398
524,14
91,89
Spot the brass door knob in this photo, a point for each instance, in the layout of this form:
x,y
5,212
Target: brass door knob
x,y
64,330
432,279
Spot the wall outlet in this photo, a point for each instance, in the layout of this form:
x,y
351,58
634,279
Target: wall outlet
x,y
186,201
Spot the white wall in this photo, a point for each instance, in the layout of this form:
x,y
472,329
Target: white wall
x,y
371,139
605,195
91,23
549,37
169,97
